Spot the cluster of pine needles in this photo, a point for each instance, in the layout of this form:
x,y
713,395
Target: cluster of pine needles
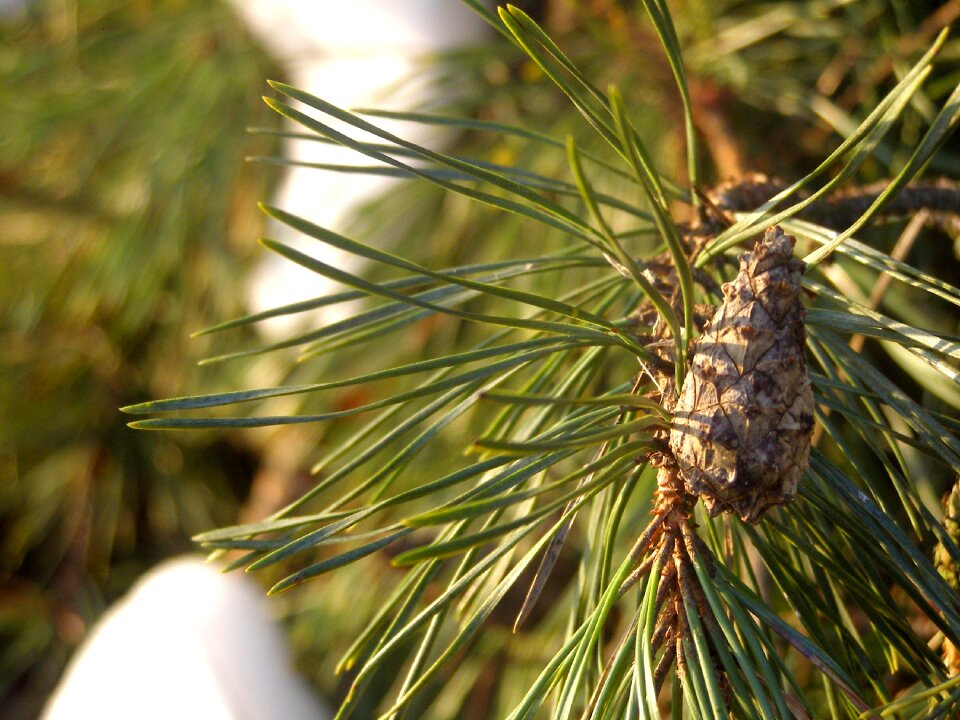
x,y
755,592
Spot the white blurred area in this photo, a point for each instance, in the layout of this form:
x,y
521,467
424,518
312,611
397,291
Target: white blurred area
x,y
186,642
11,8
358,54
189,642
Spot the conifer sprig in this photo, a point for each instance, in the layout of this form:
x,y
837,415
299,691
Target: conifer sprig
x,y
550,418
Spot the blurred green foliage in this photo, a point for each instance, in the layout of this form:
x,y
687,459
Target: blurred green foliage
x,y
128,215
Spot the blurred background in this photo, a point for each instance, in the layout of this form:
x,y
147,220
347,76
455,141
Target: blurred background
x,y
129,222
129,217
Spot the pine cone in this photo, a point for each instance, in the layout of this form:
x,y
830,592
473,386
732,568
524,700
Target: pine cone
x,y
743,421
948,567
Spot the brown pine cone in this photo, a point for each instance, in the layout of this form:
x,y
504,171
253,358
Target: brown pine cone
x,y
743,421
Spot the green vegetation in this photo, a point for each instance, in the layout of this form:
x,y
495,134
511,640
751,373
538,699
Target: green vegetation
x,y
487,428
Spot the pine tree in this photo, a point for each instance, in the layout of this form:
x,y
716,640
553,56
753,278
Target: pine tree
x,y
569,358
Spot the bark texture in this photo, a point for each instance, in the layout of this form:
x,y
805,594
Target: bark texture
x,y
743,421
